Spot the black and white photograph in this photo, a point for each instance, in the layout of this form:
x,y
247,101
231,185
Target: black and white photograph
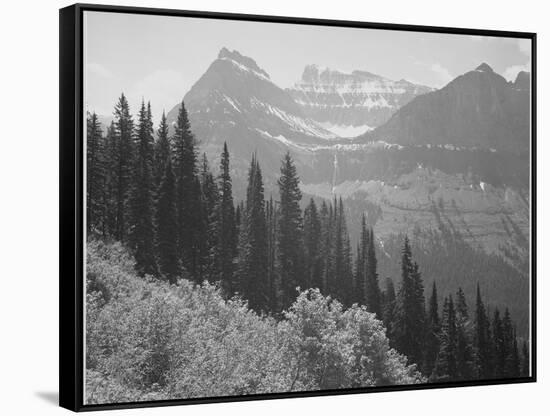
x,y
274,208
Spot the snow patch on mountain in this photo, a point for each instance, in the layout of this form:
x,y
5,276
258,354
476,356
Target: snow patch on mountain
x,y
346,131
295,123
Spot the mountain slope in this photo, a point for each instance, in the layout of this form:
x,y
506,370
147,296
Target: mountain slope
x,y
478,109
235,101
351,103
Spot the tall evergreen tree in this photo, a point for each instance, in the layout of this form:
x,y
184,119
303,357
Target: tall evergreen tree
x,y
312,242
433,333
122,165
290,238
225,249
464,344
446,368
162,151
409,324
95,175
499,347
373,287
166,226
207,240
482,342
389,308
273,281
325,216
187,195
141,228
252,258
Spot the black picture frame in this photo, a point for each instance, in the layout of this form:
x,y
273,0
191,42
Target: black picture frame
x,y
71,186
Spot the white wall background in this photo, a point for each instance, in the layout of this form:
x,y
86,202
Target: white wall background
x,y
29,206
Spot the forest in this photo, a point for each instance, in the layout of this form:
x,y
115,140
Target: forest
x,y
193,294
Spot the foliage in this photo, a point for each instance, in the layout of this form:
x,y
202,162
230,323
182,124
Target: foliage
x,y
149,340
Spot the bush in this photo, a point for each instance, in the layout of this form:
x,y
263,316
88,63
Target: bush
x,y
149,340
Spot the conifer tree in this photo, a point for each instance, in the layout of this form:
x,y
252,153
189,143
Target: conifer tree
x,y
206,231
373,295
446,364
252,257
162,151
95,175
273,282
225,249
388,309
110,182
325,216
409,323
360,281
122,165
482,341
141,228
166,226
499,347
187,195
433,333
312,242
290,233
464,344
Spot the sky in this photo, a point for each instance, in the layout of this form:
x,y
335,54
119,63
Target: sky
x,y
159,58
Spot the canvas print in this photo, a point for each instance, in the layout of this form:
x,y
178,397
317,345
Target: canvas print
x,y
275,208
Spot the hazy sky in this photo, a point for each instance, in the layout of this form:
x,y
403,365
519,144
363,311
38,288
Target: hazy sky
x,y
160,58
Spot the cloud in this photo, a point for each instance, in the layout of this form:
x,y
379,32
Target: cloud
x,y
98,69
524,46
444,76
511,72
164,88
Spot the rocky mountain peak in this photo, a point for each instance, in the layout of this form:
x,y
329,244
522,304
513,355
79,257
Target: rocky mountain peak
x,y
484,67
236,57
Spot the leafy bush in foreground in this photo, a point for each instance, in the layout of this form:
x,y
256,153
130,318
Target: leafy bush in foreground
x,y
149,340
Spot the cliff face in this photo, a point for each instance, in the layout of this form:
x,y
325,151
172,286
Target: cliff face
x,y
350,104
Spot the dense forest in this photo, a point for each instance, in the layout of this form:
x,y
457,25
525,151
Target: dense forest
x,y
180,277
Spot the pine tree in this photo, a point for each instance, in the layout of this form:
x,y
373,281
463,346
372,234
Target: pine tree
x,y
389,308
511,355
446,368
482,342
325,216
361,284
95,175
162,151
123,167
290,237
109,187
373,287
207,240
141,228
273,281
464,344
225,228
187,195
409,323
166,226
312,242
499,347
433,333
252,258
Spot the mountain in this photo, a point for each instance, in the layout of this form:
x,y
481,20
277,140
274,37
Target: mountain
x,y
349,104
479,109
450,167
236,101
